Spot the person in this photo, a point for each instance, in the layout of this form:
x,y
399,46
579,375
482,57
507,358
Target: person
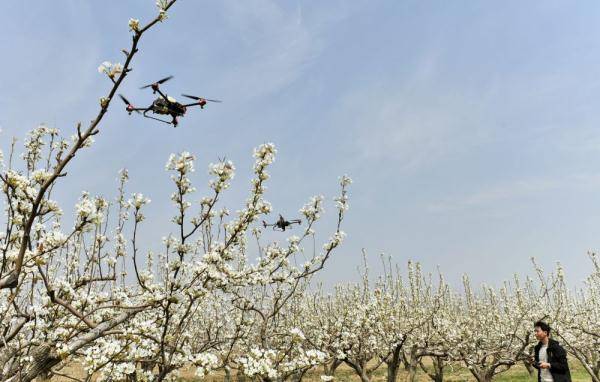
x,y
550,357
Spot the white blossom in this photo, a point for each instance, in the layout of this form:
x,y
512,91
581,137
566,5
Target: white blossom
x,y
134,25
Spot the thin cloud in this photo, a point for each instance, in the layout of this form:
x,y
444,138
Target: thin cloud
x,y
410,125
514,190
276,46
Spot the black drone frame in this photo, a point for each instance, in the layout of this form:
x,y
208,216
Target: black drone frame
x,y
163,105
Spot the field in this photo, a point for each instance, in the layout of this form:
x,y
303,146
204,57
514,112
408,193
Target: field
x,y
344,373
516,374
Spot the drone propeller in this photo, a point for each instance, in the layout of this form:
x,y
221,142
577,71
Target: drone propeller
x,y
124,100
130,107
200,98
161,81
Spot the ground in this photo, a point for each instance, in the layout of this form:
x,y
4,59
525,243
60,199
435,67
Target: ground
x,y
344,373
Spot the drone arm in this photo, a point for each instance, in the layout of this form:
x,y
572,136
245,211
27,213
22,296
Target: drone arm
x,y
138,109
192,104
163,95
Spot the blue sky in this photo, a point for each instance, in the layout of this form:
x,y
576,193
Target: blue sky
x,y
469,128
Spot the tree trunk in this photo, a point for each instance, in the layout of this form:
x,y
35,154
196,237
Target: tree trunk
x,y
413,364
361,370
392,371
329,369
405,361
44,358
588,368
412,374
44,377
530,369
393,365
297,377
240,377
364,377
482,375
438,367
437,372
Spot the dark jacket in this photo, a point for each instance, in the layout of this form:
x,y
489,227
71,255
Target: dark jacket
x,y
557,358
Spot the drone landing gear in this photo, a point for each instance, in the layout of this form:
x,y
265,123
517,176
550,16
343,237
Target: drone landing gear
x,y
174,122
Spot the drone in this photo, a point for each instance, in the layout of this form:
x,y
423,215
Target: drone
x,y
281,224
164,104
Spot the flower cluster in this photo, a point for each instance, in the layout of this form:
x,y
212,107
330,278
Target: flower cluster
x,y
134,25
342,200
34,144
90,211
223,171
138,200
313,209
110,69
182,163
259,362
205,363
162,9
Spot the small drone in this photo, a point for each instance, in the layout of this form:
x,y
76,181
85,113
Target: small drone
x,y
165,105
281,224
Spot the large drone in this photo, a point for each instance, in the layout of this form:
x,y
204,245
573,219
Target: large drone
x,y
164,104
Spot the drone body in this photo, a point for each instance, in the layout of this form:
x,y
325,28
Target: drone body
x,y
281,224
168,106
165,105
